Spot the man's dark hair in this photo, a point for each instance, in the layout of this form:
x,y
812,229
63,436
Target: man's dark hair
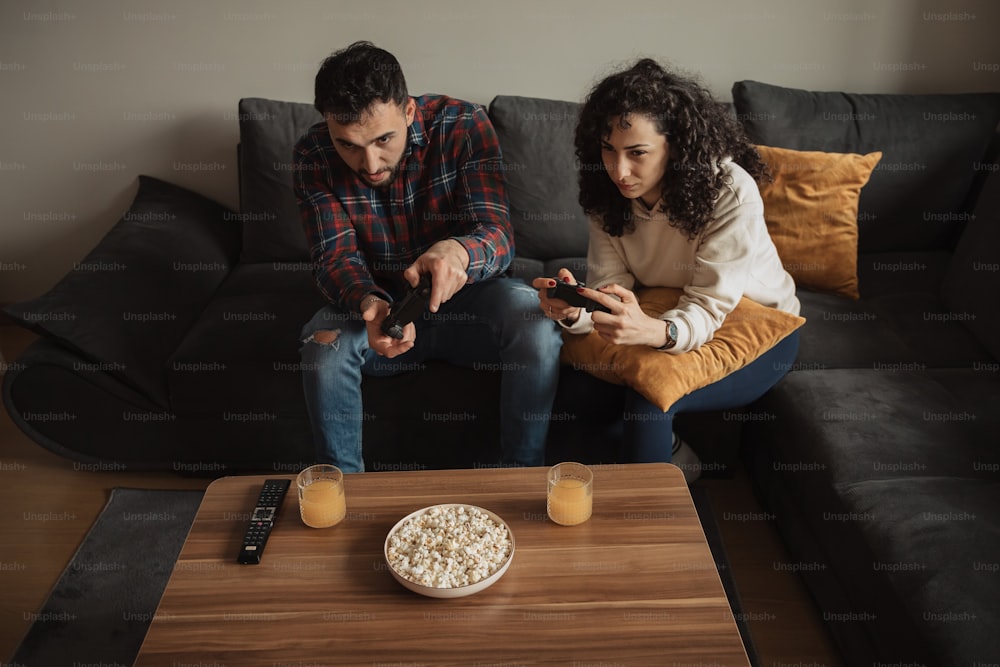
x,y
700,131
353,79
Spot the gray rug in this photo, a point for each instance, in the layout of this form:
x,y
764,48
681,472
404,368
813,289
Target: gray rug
x,y
100,609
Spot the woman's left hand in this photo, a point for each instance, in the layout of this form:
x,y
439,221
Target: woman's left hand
x,y
626,324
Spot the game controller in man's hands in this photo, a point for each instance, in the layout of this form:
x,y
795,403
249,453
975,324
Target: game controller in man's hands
x,y
568,293
407,310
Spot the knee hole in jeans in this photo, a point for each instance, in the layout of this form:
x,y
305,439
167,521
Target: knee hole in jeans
x,y
323,337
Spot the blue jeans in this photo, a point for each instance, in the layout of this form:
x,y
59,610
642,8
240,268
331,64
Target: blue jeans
x,y
496,322
648,429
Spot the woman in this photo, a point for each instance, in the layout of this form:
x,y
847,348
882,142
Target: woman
x,y
669,181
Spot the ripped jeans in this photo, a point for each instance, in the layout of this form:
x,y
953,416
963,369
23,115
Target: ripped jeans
x,y
497,322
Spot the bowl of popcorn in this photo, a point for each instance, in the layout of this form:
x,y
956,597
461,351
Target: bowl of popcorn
x,y
449,551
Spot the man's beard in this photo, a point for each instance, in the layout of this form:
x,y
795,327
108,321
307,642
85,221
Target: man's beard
x,y
381,185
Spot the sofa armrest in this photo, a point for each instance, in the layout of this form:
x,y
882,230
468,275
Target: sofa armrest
x,y
130,301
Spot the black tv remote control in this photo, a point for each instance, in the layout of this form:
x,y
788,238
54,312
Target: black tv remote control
x,y
408,309
262,520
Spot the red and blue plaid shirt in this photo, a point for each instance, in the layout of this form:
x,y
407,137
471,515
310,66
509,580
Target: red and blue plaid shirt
x,y
450,185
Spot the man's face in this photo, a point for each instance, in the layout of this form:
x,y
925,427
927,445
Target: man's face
x,y
373,146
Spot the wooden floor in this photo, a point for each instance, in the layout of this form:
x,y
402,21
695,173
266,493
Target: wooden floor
x,y
47,505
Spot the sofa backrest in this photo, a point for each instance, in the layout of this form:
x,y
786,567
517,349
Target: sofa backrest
x,y
918,198
918,195
272,230
536,138
972,282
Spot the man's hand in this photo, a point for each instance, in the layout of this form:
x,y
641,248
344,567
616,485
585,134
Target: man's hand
x,y
447,263
384,345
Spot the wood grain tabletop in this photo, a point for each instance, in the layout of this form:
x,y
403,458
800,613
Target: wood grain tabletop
x,y
634,585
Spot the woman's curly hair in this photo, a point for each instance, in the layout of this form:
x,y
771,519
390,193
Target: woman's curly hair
x,y
700,132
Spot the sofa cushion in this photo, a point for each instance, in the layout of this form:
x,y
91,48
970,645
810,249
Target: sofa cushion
x,y
844,333
934,336
811,211
536,138
527,268
241,359
972,283
127,305
931,145
829,428
272,230
892,331
977,388
838,455
882,273
747,332
851,457
936,539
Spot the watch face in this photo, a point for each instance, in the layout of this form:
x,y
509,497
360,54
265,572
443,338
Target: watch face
x,y
671,335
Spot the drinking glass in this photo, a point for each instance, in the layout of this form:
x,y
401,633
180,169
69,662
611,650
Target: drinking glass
x,y
321,496
570,496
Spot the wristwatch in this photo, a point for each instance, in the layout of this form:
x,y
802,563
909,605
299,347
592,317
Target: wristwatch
x,y
671,335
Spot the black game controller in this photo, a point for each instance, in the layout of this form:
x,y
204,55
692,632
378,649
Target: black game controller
x,y
407,310
568,293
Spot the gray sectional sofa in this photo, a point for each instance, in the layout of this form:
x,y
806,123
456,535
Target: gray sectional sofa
x,y
174,345
879,454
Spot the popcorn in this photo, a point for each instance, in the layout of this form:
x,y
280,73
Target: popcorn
x,y
448,547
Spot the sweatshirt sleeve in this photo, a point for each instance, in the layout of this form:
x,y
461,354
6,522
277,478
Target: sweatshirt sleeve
x,y
723,262
605,266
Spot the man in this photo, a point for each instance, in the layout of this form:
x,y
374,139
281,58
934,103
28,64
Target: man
x,y
392,188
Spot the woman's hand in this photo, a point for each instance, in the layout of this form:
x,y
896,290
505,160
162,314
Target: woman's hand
x,y
556,309
626,324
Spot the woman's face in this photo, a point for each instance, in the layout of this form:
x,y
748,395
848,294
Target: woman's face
x,y
636,158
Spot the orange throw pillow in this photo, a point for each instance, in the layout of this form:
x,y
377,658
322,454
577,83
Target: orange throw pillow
x,y
662,378
811,211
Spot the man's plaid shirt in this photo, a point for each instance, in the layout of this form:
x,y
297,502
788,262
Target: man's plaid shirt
x,y
450,185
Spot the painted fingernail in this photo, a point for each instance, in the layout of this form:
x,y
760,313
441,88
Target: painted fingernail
x,y
565,279
552,283
579,290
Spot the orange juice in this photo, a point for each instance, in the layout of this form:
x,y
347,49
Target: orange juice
x,y
570,501
322,503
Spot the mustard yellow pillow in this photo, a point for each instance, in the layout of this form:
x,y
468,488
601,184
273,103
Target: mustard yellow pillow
x,y
811,211
748,331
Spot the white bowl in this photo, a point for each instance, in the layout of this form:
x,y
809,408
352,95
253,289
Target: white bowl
x,y
456,592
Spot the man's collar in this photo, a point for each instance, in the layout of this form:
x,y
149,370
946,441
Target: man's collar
x,y
416,134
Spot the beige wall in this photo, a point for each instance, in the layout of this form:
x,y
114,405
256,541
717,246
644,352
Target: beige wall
x,y
94,93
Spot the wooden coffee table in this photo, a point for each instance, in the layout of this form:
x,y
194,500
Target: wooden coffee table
x,y
636,584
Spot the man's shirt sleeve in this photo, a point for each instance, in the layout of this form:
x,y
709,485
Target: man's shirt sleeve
x,y
340,270
481,198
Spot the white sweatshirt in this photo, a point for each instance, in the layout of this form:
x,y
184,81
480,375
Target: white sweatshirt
x,y
732,257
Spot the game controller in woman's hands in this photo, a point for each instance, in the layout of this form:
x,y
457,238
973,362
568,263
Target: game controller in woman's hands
x,y
569,294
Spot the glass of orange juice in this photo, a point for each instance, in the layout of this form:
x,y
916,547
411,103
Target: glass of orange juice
x,y
321,496
570,496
